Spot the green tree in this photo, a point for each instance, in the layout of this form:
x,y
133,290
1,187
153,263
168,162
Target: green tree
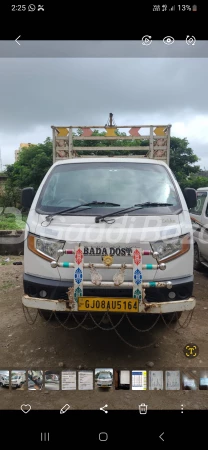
x,y
110,143
34,162
182,159
31,166
194,182
9,198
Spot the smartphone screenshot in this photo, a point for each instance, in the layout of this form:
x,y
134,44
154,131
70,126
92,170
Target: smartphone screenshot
x,y
103,223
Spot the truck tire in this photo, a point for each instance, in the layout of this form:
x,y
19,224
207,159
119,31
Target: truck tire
x,y
172,317
197,262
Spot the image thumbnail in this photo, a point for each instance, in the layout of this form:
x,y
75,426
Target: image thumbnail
x,y
4,379
52,380
103,378
18,379
139,380
156,380
122,379
35,380
189,380
85,380
172,380
203,380
68,380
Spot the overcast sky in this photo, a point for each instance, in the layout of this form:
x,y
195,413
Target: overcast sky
x,y
38,93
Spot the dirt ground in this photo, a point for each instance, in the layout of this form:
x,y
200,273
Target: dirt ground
x,y
48,345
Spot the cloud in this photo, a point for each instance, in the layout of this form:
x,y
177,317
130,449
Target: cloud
x,y
38,93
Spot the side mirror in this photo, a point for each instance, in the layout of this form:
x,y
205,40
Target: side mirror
x,y
190,197
28,195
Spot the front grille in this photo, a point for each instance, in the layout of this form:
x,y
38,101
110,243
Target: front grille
x,y
152,294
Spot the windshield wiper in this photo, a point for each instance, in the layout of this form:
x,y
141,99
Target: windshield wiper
x,y
153,204
130,209
103,203
49,216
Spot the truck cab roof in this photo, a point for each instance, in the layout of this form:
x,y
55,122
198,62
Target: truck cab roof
x,y
111,160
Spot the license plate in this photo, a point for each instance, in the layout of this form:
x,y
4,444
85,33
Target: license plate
x,y
108,304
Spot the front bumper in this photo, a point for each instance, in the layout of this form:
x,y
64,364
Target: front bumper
x,y
151,308
157,299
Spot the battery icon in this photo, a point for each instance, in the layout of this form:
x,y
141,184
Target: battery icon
x,y
194,8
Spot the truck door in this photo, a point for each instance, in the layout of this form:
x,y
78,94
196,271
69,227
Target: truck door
x,y
204,232
199,217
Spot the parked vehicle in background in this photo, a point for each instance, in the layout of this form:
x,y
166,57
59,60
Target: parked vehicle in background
x,y
4,380
18,380
199,218
104,380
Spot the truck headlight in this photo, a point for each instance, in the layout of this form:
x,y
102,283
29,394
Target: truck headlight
x,y
45,248
172,248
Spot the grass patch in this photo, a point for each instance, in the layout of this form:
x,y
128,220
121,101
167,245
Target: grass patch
x,y
7,284
5,263
12,222
12,259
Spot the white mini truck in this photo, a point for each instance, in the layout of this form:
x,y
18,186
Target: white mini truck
x,y
108,234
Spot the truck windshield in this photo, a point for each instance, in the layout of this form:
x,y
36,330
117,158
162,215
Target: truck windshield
x,y
104,376
122,183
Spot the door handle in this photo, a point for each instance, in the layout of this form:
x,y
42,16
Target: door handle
x,y
198,229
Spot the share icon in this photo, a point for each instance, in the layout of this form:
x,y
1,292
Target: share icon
x,y
103,409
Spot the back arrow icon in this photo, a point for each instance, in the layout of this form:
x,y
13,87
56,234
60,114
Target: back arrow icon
x,y
161,436
16,40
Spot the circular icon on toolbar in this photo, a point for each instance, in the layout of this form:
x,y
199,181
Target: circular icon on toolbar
x,y
146,40
191,350
190,40
168,40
